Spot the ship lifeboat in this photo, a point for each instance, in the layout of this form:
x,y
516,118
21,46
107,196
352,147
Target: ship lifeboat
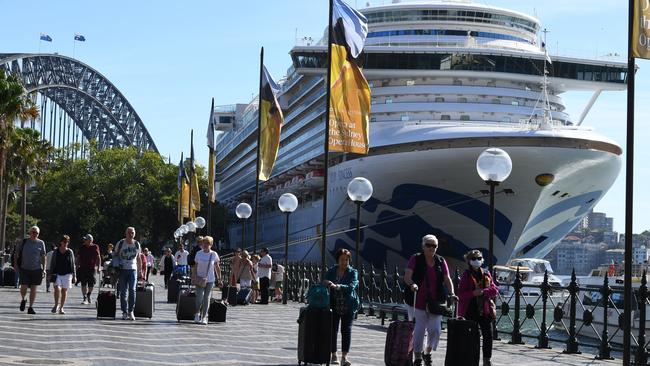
x,y
314,179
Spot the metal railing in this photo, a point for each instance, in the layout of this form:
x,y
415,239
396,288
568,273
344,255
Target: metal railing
x,y
574,317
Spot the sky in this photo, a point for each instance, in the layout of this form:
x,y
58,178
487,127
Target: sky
x,y
169,58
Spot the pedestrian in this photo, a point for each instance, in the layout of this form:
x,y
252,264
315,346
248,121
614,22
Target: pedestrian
x,y
150,262
476,293
426,275
206,273
109,253
255,285
264,274
181,260
234,266
63,273
278,278
48,270
167,263
342,280
30,262
88,262
128,255
245,275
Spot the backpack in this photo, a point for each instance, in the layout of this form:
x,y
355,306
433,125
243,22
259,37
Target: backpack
x,y
318,297
117,261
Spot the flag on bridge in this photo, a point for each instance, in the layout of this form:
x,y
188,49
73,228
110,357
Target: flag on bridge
x,y
79,37
183,192
271,120
640,36
212,194
46,37
349,91
195,201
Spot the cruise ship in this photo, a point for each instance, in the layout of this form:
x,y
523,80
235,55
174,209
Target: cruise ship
x,y
449,79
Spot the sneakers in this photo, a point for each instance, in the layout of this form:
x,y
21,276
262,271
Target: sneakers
x,y
22,305
334,360
345,362
197,318
61,311
131,316
86,301
54,309
418,362
31,311
204,321
125,316
426,357
487,362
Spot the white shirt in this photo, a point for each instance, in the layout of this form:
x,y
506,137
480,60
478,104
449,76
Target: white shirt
x,y
150,260
265,272
205,263
181,257
279,274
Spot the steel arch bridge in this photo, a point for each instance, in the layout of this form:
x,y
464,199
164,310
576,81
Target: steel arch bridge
x,y
92,102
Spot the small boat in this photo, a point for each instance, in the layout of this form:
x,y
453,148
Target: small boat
x,y
531,274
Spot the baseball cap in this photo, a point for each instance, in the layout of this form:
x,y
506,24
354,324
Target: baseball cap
x,y
88,237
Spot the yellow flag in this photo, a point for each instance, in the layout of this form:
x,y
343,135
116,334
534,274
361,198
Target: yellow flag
x,y
196,197
641,29
184,200
270,124
349,90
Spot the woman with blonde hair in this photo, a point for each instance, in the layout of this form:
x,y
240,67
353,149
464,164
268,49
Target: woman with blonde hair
x,y
245,275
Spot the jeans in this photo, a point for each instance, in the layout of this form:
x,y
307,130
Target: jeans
x,y
430,323
127,280
264,290
203,295
486,333
346,331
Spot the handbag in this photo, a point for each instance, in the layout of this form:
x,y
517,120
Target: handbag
x,y
341,304
201,281
436,307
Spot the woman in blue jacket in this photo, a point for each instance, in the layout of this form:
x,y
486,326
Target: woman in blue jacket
x,y
342,281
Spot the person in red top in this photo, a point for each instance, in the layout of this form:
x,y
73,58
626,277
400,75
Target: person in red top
x,y
88,262
476,293
143,267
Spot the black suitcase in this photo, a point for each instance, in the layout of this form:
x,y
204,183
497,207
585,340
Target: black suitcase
x,y
229,294
217,311
244,296
106,304
9,277
463,343
314,336
186,305
144,301
173,288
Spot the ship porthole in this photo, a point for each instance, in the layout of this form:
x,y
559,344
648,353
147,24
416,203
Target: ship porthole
x,y
544,179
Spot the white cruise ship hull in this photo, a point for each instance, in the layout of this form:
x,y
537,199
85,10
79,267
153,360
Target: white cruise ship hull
x,y
430,186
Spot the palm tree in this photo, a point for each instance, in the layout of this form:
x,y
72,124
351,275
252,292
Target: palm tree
x,y
14,105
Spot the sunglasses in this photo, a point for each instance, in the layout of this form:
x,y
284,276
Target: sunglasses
x,y
431,245
476,258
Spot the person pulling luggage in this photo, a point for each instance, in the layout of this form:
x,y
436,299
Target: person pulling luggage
x,y
477,292
342,280
427,274
205,274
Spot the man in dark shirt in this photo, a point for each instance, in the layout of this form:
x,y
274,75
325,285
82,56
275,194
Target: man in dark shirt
x,y
30,262
89,262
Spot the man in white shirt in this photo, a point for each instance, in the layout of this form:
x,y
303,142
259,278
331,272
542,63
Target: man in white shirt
x,y
264,274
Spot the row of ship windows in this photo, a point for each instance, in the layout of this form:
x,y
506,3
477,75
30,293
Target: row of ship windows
x,y
445,32
447,117
451,15
515,103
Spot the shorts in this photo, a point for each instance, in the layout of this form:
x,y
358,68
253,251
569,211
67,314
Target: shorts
x,y
278,284
86,277
31,277
245,283
63,281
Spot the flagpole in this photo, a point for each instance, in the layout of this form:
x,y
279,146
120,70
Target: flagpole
x,y
259,138
330,37
629,191
180,206
189,205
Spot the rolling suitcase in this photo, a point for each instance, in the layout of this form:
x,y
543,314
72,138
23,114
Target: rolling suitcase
x,y
217,311
144,301
314,335
173,288
9,277
244,296
230,295
106,304
398,350
186,305
463,342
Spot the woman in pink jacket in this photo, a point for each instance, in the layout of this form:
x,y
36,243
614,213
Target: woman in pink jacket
x,y
476,294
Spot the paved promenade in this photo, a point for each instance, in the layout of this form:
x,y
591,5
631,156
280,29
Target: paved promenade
x,y
253,335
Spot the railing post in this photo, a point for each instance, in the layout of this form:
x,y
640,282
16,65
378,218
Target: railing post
x,y
303,277
604,351
641,357
572,342
362,287
516,331
543,335
372,294
397,290
386,291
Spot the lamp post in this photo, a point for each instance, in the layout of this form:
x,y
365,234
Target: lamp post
x,y
359,191
287,203
199,222
493,166
243,211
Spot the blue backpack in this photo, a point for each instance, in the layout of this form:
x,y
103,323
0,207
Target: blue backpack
x,y
318,297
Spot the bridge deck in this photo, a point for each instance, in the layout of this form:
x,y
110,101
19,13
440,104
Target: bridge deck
x,y
253,335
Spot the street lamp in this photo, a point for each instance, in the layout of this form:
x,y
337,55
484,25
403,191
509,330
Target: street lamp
x,y
493,166
287,203
243,211
200,222
359,191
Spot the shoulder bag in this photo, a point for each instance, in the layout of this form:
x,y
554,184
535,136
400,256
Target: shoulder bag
x,y
434,306
202,281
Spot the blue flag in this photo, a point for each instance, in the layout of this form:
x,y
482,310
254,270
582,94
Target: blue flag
x,y
181,173
79,37
45,37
